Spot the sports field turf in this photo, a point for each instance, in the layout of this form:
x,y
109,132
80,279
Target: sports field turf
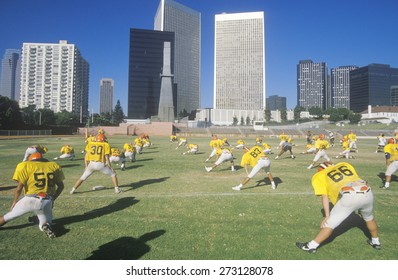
x,y
172,209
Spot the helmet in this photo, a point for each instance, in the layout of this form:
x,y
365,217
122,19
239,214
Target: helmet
x,y
101,131
100,138
321,136
391,141
45,150
35,156
323,166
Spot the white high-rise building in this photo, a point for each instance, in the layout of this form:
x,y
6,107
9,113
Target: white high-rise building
x,y
340,86
106,95
55,77
239,61
185,23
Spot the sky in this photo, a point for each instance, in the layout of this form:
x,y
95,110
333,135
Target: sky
x,y
339,32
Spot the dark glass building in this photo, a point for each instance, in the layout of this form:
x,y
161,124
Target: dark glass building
x,y
371,85
275,102
145,67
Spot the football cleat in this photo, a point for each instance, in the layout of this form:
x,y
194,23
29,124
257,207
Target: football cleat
x,y
237,188
48,231
118,190
304,247
208,169
375,246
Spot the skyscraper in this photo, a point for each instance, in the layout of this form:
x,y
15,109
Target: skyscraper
x,y
106,95
239,61
371,85
275,102
185,23
312,84
10,74
340,86
145,67
54,76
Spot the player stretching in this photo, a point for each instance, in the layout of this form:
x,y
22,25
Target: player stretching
x,y
256,158
97,159
41,182
321,145
341,185
222,154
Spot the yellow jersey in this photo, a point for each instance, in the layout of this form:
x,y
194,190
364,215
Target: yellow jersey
x,y
352,137
330,180
218,143
38,176
391,151
321,144
266,146
67,149
219,151
240,142
252,156
128,148
116,152
193,146
96,151
283,137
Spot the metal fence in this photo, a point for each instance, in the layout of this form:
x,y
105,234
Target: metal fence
x,y
25,132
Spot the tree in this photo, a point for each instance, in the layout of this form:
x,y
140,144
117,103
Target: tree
x,y
234,120
354,118
10,115
297,112
283,115
28,114
242,121
267,115
118,115
66,118
248,120
316,112
44,117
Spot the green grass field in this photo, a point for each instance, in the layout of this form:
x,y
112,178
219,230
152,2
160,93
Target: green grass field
x,y
172,209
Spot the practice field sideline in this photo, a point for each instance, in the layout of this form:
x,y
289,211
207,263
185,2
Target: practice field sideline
x,y
171,208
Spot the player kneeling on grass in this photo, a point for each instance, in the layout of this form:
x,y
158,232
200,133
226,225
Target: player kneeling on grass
x,y
192,149
341,185
42,182
67,151
255,158
118,156
97,159
222,154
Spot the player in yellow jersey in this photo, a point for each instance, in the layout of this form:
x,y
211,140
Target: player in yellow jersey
x,y
346,149
139,145
321,145
129,151
341,185
286,147
352,139
97,159
182,141
192,149
256,159
240,144
42,182
67,151
215,143
310,149
222,154
283,138
34,149
173,139
391,155
266,148
117,156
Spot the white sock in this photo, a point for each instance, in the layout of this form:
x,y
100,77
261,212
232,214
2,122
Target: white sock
x,y
375,240
313,245
387,184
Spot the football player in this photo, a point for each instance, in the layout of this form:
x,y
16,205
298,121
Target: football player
x,y
321,145
223,154
67,151
34,149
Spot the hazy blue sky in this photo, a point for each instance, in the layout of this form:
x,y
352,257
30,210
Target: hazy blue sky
x,y
339,32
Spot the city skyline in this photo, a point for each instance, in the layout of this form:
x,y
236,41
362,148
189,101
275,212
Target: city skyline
x,y
338,33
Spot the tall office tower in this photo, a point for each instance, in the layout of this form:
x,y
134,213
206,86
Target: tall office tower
x,y
106,95
10,74
275,102
166,105
185,23
239,61
340,86
371,85
312,84
55,77
145,67
394,95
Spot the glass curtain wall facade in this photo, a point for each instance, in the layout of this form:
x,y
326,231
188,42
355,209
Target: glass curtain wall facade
x,y
10,74
275,102
340,86
106,95
371,85
312,84
185,23
145,67
239,61
55,77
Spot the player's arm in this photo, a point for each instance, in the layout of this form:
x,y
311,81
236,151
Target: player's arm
x,y
17,194
326,208
60,188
